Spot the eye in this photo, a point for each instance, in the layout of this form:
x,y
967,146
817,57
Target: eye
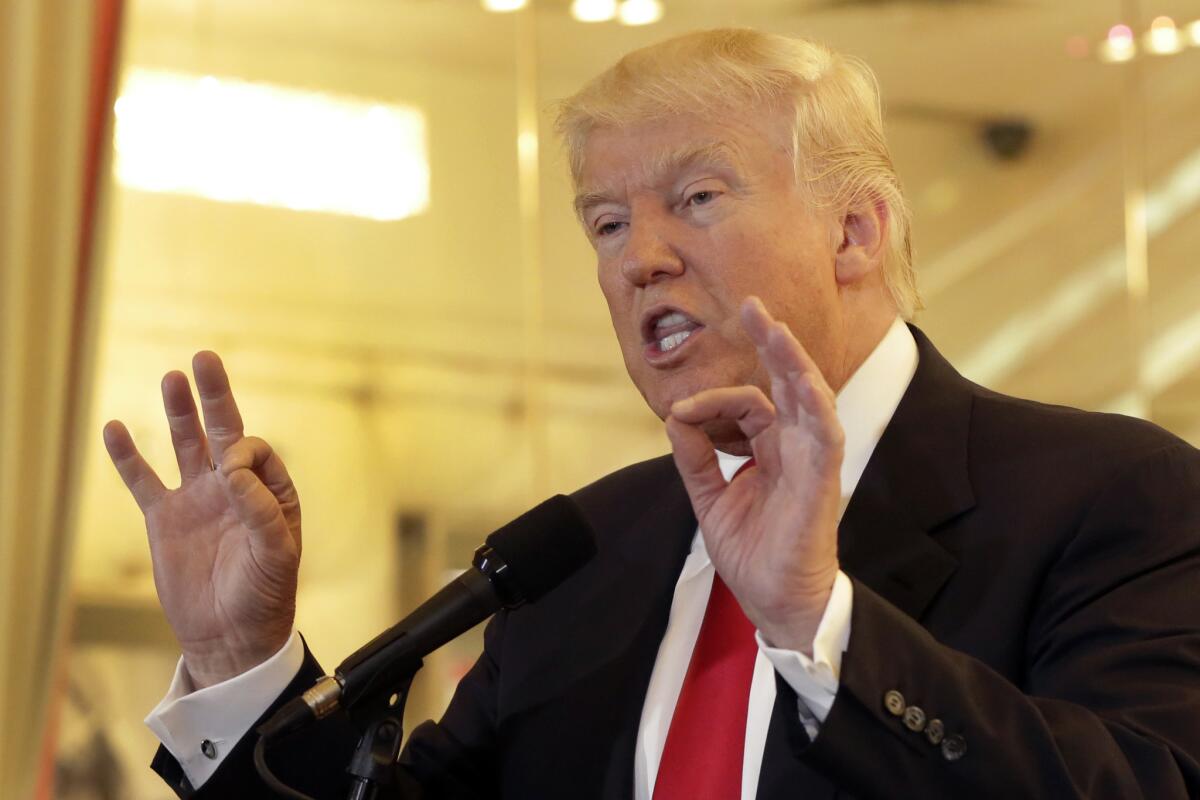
x,y
702,197
608,228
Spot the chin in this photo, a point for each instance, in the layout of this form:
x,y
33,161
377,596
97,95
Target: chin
x,y
661,389
666,392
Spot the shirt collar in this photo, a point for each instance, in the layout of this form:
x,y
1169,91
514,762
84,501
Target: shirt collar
x,y
864,405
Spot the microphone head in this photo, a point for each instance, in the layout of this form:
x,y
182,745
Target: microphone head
x,y
544,546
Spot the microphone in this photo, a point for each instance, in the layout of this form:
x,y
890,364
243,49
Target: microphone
x,y
517,563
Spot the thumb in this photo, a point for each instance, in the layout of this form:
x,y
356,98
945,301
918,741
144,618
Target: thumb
x,y
696,459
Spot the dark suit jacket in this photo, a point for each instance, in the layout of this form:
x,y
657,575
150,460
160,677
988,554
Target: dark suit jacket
x,y
1027,574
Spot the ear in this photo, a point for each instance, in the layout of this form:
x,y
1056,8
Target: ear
x,y
864,233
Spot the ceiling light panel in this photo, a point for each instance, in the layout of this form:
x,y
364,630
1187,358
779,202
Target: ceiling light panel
x,y
238,142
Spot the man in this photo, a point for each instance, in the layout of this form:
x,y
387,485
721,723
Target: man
x,y
917,586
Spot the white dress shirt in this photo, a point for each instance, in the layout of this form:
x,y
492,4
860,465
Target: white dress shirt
x,y
222,714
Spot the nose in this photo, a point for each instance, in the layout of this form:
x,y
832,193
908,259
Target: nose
x,y
648,255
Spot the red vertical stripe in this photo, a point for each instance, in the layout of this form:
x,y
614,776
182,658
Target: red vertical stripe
x,y
106,32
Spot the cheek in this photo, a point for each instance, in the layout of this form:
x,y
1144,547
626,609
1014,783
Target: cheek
x,y
620,304
737,256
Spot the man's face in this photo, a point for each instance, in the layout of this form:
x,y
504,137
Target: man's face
x,y
688,217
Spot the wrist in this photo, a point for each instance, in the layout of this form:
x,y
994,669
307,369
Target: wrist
x,y
208,667
794,624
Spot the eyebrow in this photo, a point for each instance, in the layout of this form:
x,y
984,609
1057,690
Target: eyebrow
x,y
656,168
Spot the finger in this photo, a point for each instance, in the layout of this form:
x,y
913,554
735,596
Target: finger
x,y
792,380
818,404
781,365
790,368
256,506
801,397
696,459
222,420
745,405
254,454
756,320
775,340
187,434
138,476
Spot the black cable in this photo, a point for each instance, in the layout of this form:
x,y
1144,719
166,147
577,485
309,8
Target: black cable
x,y
279,787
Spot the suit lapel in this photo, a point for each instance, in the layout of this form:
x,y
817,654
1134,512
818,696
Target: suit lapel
x,y
642,603
917,479
571,702
652,554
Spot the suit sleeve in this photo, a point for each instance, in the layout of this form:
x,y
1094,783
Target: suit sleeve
x,y
453,758
1109,705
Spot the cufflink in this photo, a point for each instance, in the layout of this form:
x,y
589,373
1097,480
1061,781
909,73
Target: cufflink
x,y
208,749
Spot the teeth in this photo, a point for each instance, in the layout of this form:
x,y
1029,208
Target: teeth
x,y
674,318
673,341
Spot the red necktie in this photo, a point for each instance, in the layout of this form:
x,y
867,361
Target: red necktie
x,y
702,757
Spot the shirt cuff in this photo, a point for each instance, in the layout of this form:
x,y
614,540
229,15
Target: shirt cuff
x,y
816,679
199,727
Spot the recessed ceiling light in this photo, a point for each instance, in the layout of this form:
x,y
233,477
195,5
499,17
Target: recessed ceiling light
x,y
640,12
1194,32
1163,38
503,6
1119,45
594,10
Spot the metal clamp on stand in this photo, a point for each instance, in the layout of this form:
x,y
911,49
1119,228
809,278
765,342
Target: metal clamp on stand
x,y
379,717
381,720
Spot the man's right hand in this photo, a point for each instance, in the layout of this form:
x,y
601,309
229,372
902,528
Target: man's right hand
x,y
225,545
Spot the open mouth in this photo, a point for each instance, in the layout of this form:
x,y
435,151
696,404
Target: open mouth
x,y
665,330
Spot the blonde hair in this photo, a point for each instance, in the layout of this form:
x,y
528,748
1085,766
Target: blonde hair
x,y
837,142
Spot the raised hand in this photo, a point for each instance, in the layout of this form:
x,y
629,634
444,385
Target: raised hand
x,y
772,532
225,545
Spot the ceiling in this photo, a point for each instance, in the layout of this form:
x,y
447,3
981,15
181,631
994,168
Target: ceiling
x,y
1022,261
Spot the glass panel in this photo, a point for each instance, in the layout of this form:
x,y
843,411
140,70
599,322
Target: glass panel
x,y
376,341
1169,104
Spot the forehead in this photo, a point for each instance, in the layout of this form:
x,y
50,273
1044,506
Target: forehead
x,y
654,152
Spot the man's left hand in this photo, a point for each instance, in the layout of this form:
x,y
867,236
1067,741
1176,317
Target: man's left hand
x,y
772,532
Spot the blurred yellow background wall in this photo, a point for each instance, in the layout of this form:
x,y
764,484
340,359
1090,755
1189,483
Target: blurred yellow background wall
x,y
427,378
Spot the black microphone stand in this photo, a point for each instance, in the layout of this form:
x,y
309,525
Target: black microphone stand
x,y
372,685
380,718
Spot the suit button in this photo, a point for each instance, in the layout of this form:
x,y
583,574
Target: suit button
x,y
914,719
935,731
893,701
954,747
